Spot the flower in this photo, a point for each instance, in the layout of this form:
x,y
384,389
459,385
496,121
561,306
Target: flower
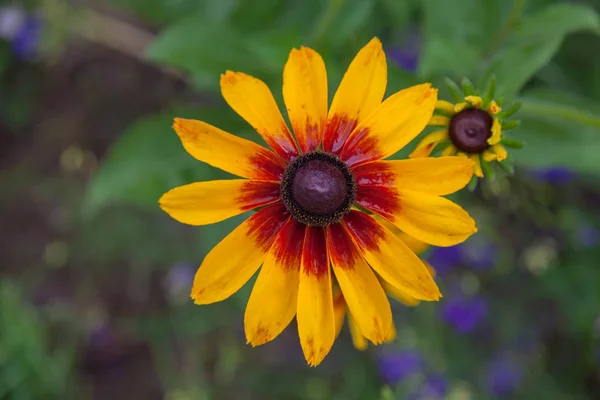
x,y
407,54
23,30
476,253
503,376
434,387
554,175
464,313
398,366
471,128
307,191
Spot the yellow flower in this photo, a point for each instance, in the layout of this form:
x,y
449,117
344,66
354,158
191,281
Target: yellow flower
x,y
470,128
340,306
308,230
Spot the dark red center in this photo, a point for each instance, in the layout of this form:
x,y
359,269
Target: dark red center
x,y
470,129
318,188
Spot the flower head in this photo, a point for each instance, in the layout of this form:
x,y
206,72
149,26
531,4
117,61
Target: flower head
x,y
308,230
477,253
503,376
397,366
472,127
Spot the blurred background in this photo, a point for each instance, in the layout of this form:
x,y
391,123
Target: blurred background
x,y
95,279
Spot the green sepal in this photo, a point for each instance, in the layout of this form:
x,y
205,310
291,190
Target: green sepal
x,y
508,125
514,107
508,166
490,91
455,92
473,183
488,171
512,143
467,87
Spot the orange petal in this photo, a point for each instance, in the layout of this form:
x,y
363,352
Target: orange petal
x,y
393,124
359,93
366,299
272,304
316,320
229,265
305,95
390,257
439,176
230,153
203,203
253,101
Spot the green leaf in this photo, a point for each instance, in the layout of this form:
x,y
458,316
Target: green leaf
x,y
560,130
512,143
559,20
147,160
455,91
488,171
467,87
508,125
510,111
446,56
490,91
536,41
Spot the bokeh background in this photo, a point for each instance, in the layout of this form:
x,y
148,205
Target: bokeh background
x,y
95,279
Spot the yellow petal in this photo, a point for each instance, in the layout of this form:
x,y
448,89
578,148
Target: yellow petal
x,y
272,304
439,120
429,218
253,101
475,101
415,245
203,203
394,123
449,151
358,340
391,334
364,296
428,143
460,106
493,108
228,152
489,156
360,92
445,106
500,152
399,295
439,176
461,154
229,265
316,320
390,257
477,165
339,310
305,95
496,132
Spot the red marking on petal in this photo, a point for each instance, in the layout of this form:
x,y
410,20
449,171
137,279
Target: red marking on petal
x,y
338,128
264,225
287,247
375,173
338,299
365,230
315,259
380,199
283,143
361,148
313,137
271,167
342,250
258,193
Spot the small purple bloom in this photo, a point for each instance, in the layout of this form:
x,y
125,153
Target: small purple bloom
x,y
464,313
554,175
434,387
26,42
178,282
503,376
397,366
476,253
406,55
588,235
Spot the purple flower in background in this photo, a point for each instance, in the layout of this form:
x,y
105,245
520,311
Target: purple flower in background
x,y
178,282
588,235
503,376
554,175
434,387
23,30
476,253
396,366
406,55
464,313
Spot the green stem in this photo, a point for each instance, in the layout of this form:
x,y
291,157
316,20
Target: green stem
x,y
511,22
537,108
